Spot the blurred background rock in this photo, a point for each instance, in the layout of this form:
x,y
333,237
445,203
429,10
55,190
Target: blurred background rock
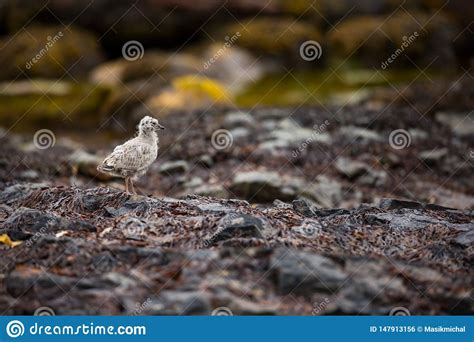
x,y
84,75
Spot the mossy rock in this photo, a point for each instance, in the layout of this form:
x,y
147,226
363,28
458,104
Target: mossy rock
x,y
153,64
190,92
49,52
272,36
31,103
374,39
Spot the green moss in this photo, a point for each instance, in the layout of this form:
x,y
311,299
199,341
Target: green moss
x,y
372,39
48,51
315,87
80,103
273,36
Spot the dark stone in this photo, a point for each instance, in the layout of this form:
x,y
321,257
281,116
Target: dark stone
x,y
235,225
332,212
390,204
304,273
180,303
304,207
138,207
465,239
80,225
33,221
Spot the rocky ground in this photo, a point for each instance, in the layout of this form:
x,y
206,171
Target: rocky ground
x,y
270,220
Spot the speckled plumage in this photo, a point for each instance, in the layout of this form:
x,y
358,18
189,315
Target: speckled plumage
x,y
134,157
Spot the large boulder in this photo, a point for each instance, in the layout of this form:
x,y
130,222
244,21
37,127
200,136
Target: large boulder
x,y
424,39
276,37
48,51
40,101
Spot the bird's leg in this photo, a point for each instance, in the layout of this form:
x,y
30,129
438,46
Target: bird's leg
x,y
126,185
133,189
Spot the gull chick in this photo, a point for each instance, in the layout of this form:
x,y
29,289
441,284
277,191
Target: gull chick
x,y
133,158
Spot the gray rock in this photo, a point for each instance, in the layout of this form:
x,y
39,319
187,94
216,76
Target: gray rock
x,y
238,225
17,192
363,173
272,146
433,156
238,119
466,239
86,164
409,220
309,228
173,302
206,160
349,168
243,306
35,221
365,294
303,273
173,167
324,191
357,133
211,190
460,123
417,134
304,207
239,133
133,228
29,174
262,186
290,132
390,204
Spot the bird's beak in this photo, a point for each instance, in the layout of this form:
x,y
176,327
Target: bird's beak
x,y
161,126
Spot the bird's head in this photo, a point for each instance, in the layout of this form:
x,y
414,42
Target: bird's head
x,y
149,124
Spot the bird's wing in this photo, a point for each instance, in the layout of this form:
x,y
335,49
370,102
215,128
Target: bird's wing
x,y
130,156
